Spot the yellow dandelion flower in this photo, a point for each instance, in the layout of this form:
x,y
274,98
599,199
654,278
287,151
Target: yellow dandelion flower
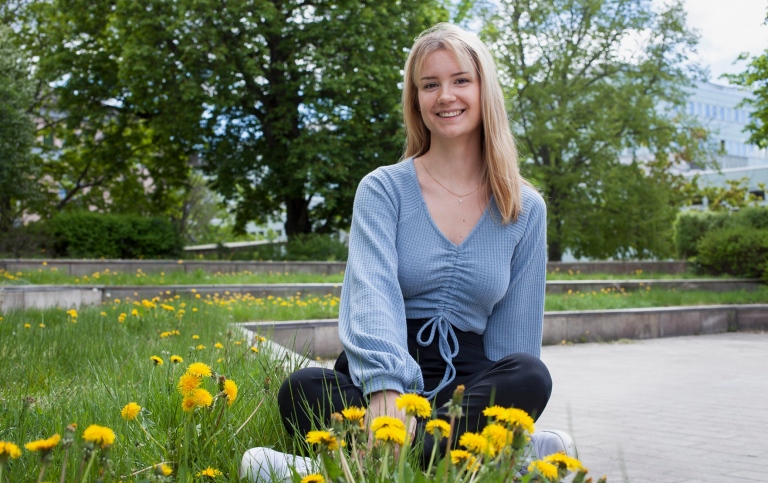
x,y
188,383
438,424
494,412
200,347
209,472
386,421
547,470
163,470
43,444
476,443
414,405
324,438
230,389
254,349
561,458
9,450
188,404
199,369
391,434
130,411
27,326
158,361
201,397
498,436
218,345
460,457
313,478
100,435
176,359
354,414
519,418
103,314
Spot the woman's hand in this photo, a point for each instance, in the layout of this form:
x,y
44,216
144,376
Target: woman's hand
x,y
382,403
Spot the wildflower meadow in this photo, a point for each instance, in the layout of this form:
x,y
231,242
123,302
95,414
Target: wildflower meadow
x,y
163,390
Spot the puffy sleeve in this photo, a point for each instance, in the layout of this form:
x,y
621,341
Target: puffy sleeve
x,y
372,325
517,321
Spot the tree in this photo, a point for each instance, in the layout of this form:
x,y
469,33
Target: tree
x,y
285,101
755,78
590,82
99,153
19,173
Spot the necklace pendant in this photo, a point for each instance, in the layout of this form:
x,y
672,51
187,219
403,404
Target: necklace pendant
x,y
461,200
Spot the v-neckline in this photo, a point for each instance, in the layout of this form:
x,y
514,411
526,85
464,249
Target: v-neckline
x,y
415,178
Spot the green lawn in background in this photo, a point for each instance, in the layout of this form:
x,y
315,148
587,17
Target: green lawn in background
x,y
51,276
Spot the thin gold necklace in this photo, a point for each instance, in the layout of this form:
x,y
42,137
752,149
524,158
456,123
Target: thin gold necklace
x,y
460,197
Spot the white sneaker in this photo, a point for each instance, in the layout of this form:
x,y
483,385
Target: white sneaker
x,y
547,442
261,465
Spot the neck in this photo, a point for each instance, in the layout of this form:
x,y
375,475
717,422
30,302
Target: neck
x,y
459,164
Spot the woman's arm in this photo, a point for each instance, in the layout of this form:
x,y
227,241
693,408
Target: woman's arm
x,y
372,325
516,323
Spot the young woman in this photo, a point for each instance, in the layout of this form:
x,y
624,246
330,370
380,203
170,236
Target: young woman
x,y
447,263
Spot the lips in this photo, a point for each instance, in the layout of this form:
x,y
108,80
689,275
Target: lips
x,y
450,113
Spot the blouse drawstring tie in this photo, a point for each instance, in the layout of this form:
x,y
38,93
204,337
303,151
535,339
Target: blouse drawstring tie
x,y
445,329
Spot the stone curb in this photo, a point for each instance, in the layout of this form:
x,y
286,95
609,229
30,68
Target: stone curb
x,y
320,338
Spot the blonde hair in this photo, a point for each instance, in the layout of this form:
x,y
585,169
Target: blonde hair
x,y
499,152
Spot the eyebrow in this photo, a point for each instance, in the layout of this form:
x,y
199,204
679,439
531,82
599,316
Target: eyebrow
x,y
452,75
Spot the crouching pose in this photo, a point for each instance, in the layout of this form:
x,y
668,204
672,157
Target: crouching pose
x,y
447,266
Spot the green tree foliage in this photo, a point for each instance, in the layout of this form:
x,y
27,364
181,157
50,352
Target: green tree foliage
x,y
590,80
755,78
19,173
283,100
104,152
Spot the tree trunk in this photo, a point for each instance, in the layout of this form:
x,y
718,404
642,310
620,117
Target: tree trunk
x,y
297,217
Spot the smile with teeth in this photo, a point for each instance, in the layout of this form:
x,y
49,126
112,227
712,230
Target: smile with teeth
x,y
450,113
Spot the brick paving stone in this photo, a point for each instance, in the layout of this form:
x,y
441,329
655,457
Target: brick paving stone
x,y
672,410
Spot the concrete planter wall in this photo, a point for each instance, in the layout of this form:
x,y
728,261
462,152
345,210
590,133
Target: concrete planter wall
x,y
320,338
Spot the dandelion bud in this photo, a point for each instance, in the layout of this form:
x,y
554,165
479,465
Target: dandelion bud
x,y
454,405
337,422
69,435
222,379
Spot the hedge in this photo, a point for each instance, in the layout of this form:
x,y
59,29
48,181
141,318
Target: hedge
x,y
99,235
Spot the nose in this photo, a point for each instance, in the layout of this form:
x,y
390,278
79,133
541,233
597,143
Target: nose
x,y
446,96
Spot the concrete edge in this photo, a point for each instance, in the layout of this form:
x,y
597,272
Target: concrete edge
x,y
320,338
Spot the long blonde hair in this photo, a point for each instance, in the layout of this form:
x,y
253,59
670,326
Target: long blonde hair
x,y
499,152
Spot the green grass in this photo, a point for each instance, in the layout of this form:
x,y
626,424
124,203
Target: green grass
x,y
56,371
52,276
59,370
607,299
636,275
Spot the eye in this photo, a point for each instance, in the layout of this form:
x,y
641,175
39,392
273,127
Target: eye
x,y
463,80
429,86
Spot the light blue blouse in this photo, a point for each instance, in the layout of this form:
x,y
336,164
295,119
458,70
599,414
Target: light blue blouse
x,y
401,266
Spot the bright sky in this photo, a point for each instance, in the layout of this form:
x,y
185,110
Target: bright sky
x,y
726,29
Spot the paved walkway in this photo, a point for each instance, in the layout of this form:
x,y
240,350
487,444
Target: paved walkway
x,y
680,409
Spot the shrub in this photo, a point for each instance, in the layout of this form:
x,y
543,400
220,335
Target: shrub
x,y
309,247
97,235
739,251
314,246
691,226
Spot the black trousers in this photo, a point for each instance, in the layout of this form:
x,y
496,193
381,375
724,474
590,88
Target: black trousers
x,y
309,396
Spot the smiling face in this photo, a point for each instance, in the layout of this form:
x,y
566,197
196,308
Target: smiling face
x,y
449,97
